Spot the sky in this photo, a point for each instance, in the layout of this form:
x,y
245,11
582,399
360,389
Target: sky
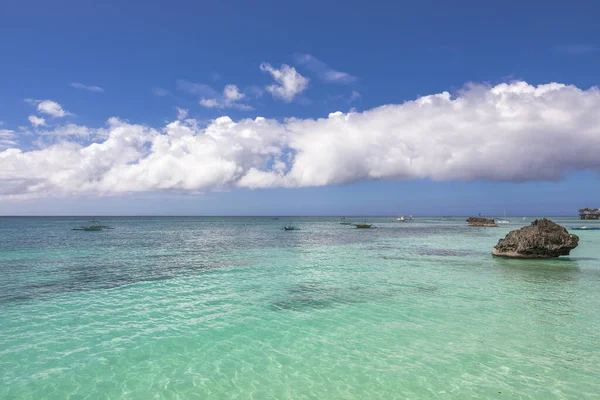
x,y
306,108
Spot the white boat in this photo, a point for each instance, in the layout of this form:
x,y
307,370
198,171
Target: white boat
x,y
503,221
401,219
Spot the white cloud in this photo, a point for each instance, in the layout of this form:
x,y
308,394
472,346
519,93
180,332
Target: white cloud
x,y
160,92
354,96
6,140
509,132
49,107
230,99
290,82
209,103
323,71
36,121
95,89
71,130
232,93
182,113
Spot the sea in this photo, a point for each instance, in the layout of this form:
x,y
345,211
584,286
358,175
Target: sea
x,y
239,308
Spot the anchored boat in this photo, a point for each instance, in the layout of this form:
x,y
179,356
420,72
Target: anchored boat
x,y
290,227
363,225
585,228
94,225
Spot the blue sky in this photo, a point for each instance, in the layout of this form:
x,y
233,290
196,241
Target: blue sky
x,y
142,60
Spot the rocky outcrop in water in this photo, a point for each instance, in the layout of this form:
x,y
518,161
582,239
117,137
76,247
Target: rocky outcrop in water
x,y
542,239
479,221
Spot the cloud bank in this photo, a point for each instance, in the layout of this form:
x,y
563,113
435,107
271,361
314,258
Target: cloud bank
x,y
509,132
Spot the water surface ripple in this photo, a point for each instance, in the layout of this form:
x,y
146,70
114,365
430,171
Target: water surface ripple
x,y
214,308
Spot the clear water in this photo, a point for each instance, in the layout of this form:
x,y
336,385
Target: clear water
x,y
222,308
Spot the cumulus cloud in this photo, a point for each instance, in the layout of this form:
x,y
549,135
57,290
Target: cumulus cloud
x,y
36,121
49,107
323,71
290,82
95,89
509,132
230,99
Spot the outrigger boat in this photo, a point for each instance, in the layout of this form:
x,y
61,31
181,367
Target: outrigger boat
x,y
364,225
585,228
290,227
94,225
344,222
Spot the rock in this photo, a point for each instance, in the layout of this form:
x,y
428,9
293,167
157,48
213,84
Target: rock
x,y
542,239
479,221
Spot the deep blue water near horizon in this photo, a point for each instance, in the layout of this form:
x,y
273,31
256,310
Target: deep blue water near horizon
x,y
235,307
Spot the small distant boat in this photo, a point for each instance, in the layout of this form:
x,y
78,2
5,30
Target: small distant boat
x,y
585,228
446,218
363,225
524,218
290,227
401,219
344,222
503,221
94,225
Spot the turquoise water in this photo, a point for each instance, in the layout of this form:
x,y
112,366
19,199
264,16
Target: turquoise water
x,y
220,308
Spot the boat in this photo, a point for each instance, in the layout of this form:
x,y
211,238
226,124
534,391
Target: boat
x,y
94,225
344,222
363,225
446,218
585,228
290,227
524,218
503,221
401,219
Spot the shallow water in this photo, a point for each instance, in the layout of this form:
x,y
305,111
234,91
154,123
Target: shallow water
x,y
238,308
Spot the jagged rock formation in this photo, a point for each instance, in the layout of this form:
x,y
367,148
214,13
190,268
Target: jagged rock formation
x,y
542,239
479,221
